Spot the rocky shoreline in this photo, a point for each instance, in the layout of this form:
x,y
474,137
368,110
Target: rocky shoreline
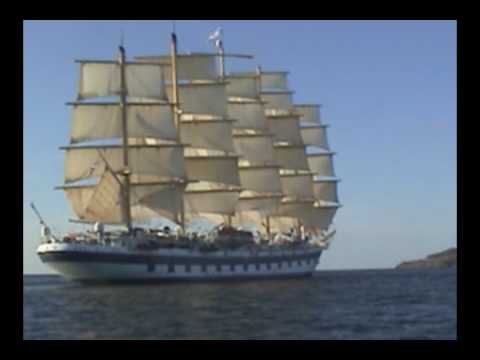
x,y
443,259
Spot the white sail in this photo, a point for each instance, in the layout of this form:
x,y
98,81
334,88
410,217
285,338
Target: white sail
x,y
310,113
242,86
312,217
320,218
86,162
152,201
218,169
202,98
278,224
260,179
209,198
98,79
297,185
102,201
269,80
248,115
208,134
325,190
285,128
315,136
104,121
321,164
254,149
277,103
274,80
195,66
106,201
265,204
79,197
300,209
291,157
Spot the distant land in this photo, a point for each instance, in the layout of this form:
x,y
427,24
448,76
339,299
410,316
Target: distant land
x,y
443,259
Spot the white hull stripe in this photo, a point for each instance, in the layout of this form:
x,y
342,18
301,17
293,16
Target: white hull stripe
x,y
89,271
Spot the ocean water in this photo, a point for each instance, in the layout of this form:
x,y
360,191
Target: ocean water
x,y
360,304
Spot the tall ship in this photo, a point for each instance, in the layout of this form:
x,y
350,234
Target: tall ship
x,y
179,170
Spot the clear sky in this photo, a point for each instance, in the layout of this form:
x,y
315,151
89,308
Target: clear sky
x,y
388,90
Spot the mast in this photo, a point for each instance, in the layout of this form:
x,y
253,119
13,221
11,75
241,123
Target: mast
x,y
259,88
176,111
222,58
126,171
222,76
259,81
221,54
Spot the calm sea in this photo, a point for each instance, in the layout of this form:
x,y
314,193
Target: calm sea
x,y
360,304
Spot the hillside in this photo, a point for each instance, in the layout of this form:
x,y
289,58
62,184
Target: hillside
x,y
443,259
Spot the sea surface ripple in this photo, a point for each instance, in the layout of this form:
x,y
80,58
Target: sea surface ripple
x,y
356,304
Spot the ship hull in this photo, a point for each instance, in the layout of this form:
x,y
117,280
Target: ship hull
x,y
106,264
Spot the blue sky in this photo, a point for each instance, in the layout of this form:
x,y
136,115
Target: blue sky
x,y
388,90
